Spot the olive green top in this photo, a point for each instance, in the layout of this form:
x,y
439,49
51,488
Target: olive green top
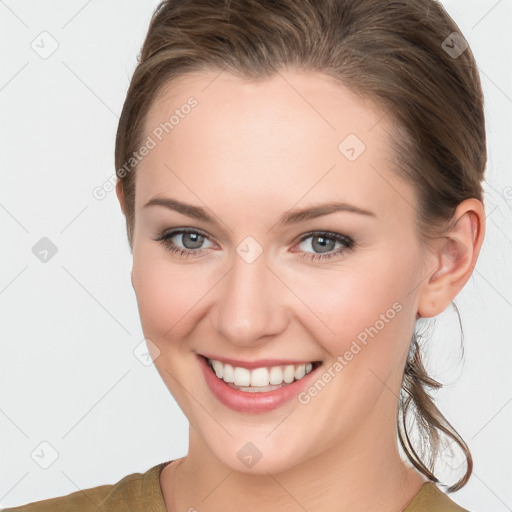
x,y
142,492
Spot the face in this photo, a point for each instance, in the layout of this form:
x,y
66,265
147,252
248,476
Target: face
x,y
253,283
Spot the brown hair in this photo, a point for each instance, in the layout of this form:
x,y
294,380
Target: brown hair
x,y
401,54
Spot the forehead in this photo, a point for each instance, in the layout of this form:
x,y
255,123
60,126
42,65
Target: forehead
x,y
293,137
267,103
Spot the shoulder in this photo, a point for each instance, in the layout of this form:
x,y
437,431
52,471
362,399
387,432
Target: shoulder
x,y
135,489
431,499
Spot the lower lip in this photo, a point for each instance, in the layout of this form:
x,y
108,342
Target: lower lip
x,y
243,401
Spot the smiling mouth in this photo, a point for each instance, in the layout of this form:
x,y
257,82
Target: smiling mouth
x,y
261,379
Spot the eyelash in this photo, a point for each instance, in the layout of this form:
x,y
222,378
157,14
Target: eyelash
x,y
347,242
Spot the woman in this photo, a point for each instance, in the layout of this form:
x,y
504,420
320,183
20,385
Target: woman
x,y
301,183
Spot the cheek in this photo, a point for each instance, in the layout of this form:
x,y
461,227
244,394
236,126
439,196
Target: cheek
x,y
366,321
358,306
165,294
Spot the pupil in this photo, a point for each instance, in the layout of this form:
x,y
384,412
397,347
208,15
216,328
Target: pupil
x,y
196,239
323,242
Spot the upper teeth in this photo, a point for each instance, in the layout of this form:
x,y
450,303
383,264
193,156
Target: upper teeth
x,y
260,377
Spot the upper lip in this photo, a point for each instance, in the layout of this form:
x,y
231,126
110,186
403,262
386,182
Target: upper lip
x,y
256,364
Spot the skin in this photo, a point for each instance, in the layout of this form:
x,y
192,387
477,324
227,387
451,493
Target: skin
x,y
249,152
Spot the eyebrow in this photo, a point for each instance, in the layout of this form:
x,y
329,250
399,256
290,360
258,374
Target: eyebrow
x,y
287,218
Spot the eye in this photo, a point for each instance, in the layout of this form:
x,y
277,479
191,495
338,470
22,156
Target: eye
x,y
325,243
192,241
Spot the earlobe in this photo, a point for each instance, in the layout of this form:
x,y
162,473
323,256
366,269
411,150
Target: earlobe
x,y
457,252
120,196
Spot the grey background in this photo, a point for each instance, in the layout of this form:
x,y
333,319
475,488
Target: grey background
x,y
69,326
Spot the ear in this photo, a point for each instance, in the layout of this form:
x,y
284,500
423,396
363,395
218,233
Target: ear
x,y
456,253
120,196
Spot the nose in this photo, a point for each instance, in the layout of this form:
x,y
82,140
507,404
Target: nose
x,y
252,304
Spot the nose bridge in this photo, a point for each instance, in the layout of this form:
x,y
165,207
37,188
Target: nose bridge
x,y
249,307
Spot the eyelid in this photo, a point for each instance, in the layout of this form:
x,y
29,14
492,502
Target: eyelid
x,y
329,234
